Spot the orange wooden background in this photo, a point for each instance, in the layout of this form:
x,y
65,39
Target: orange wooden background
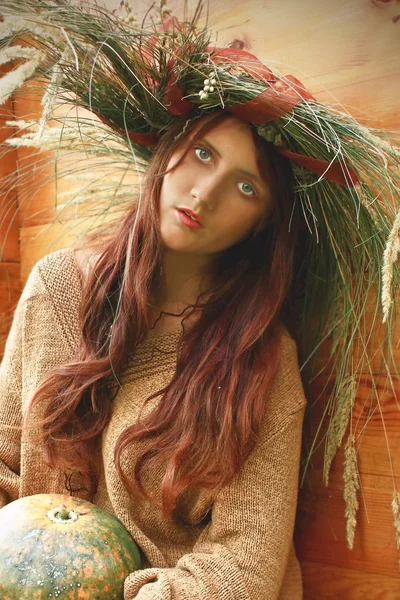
x,y
348,49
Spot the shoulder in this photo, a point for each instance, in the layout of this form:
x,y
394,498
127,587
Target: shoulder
x,y
52,298
288,382
54,285
84,259
52,272
288,365
62,272
286,395
288,345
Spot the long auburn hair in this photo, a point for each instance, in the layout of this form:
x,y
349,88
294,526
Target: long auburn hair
x,y
207,422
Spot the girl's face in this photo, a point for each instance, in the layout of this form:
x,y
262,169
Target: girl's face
x,y
220,181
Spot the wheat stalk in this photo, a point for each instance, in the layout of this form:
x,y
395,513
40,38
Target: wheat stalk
x,y
351,486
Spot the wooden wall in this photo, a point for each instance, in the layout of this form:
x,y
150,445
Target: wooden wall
x,y
10,279
346,52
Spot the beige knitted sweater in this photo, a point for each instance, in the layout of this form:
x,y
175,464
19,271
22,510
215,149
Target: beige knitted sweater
x,y
243,549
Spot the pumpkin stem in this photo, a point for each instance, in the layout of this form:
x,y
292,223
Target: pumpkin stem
x,y
62,514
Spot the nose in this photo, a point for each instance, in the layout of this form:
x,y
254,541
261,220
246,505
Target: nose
x,y
207,190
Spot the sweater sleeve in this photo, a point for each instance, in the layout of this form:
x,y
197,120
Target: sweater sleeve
x,y
10,407
243,551
12,368
44,334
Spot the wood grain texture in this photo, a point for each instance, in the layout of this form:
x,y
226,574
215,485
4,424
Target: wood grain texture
x,y
39,240
10,287
335,583
321,534
9,219
35,185
347,53
9,214
320,528
10,290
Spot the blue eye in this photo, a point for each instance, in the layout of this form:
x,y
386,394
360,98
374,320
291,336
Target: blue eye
x,y
199,150
249,187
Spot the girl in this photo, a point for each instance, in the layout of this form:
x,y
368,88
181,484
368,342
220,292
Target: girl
x,y
206,477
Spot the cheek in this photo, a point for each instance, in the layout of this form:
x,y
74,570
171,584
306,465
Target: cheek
x,y
244,220
233,231
171,190
167,196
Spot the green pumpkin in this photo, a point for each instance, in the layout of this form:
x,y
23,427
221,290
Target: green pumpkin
x,y
56,546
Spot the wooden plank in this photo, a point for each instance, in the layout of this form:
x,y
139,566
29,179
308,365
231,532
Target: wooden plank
x,y
9,221
369,406
374,441
374,342
328,582
9,225
375,347
3,339
41,240
320,529
321,535
35,187
10,290
32,185
6,131
41,202
321,523
9,228
10,287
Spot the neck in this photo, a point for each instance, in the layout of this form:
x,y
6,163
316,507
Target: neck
x,y
184,277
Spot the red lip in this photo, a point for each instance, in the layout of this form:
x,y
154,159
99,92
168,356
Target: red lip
x,y
187,220
190,212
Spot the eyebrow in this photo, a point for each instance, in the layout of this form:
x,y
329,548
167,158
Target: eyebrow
x,y
252,176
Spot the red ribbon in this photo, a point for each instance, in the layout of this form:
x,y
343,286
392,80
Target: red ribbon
x,y
173,99
335,171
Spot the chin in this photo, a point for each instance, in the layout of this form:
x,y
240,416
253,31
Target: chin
x,y
174,241
176,247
